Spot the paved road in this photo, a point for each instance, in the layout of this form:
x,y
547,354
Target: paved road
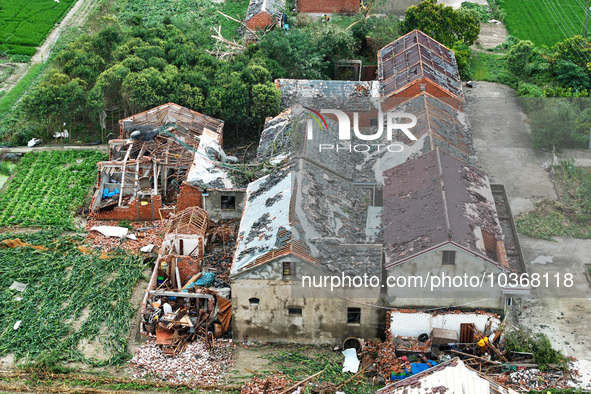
x,y
501,136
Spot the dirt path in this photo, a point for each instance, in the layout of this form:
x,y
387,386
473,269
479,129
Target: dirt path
x,y
104,148
75,17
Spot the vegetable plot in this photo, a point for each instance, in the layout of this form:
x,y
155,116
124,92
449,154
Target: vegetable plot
x,y
25,24
48,188
72,299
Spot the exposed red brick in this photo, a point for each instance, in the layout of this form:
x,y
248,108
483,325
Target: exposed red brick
x,y
260,21
190,196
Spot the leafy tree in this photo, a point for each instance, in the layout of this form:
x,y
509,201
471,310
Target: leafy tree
x,y
570,75
443,23
518,57
230,101
266,100
297,53
529,90
144,89
463,55
575,49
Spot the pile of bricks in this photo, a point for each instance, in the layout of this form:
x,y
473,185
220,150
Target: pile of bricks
x,y
153,235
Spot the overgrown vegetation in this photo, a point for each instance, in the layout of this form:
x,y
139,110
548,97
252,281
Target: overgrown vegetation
x,y
298,366
48,188
73,301
25,24
539,345
571,217
146,58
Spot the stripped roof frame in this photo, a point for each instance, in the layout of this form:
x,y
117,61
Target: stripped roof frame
x,y
172,113
415,56
192,220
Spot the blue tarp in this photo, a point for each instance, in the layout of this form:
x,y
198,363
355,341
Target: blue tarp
x,y
205,280
108,194
415,368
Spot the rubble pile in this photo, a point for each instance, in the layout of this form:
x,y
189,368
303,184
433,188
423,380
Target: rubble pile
x,y
198,364
534,379
145,233
270,384
222,243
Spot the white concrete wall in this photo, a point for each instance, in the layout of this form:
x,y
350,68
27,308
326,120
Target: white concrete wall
x,y
430,265
414,324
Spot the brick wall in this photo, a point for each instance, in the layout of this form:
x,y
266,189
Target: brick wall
x,y
135,212
190,196
329,6
259,21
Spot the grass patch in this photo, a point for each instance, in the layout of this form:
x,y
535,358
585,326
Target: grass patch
x,y
70,297
540,22
571,217
491,67
48,188
8,100
298,366
25,24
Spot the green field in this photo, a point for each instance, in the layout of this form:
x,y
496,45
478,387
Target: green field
x,y
25,24
48,188
73,297
544,22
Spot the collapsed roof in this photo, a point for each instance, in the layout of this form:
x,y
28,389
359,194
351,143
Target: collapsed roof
x,y
162,115
309,212
435,199
209,169
413,57
350,95
192,220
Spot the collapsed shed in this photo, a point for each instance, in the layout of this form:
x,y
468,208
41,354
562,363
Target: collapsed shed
x,y
144,178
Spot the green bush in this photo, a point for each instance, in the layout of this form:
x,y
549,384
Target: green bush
x,y
529,90
538,344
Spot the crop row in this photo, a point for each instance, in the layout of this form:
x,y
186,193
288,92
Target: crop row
x,y
48,188
25,24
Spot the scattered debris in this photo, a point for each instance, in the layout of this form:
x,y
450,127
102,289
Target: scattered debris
x,y
198,364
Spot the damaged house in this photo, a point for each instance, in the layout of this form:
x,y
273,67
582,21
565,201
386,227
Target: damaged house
x,y
183,300
145,176
441,219
416,63
344,209
297,223
264,13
